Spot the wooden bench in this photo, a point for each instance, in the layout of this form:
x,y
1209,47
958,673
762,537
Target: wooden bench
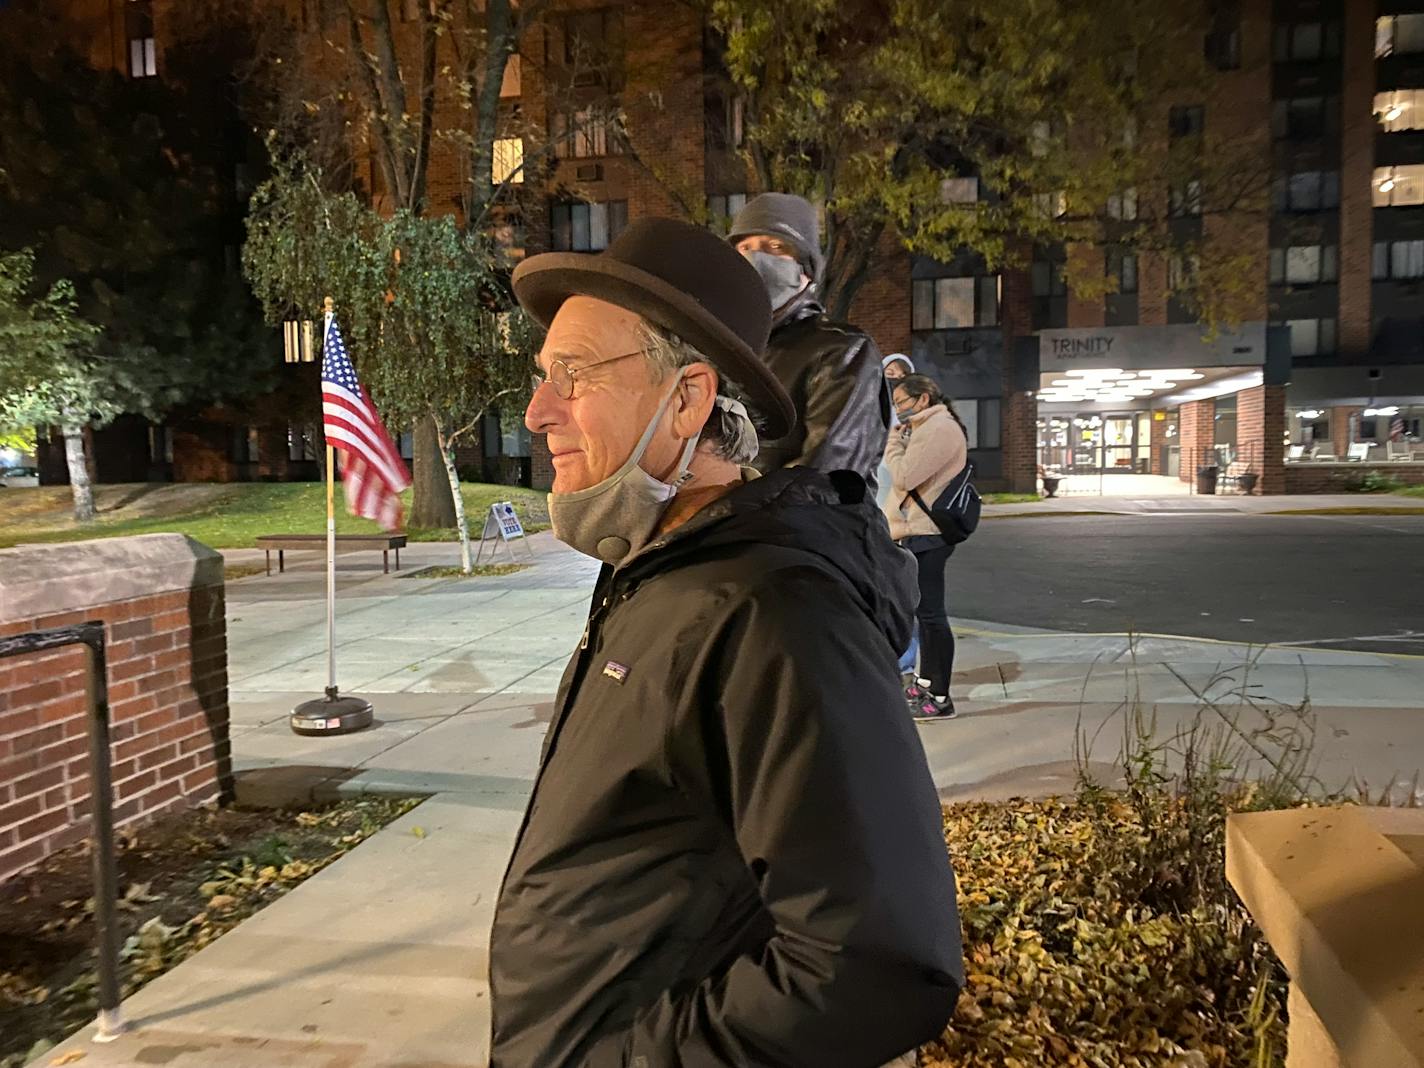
x,y
345,543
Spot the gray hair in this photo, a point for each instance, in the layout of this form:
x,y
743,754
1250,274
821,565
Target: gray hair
x,y
730,432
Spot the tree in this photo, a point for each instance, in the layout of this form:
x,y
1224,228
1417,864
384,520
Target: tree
x,y
422,304
48,371
987,126
122,187
352,82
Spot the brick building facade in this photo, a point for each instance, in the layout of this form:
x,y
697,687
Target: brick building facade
x,y
1301,90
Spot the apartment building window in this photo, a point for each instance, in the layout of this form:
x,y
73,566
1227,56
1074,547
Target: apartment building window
x,y
1398,35
580,227
143,52
1303,118
1123,206
1308,191
1123,266
298,341
1223,39
1186,121
1398,259
954,303
585,133
1402,109
1047,277
302,442
160,445
1184,199
1311,337
958,190
507,163
244,445
1399,186
724,207
593,47
1305,42
981,421
1303,265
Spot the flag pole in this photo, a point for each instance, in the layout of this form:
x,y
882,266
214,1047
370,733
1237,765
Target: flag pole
x,y
332,714
331,690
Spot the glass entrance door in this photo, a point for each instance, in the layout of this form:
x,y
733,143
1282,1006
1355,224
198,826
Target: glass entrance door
x,y
1118,446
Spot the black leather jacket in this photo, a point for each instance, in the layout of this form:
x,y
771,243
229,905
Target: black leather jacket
x,y
832,372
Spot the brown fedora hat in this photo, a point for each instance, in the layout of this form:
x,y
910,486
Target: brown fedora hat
x,y
684,279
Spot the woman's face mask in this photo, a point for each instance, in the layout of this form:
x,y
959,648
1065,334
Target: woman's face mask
x,y
611,520
782,276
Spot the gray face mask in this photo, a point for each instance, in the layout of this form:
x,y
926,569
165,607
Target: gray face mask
x,y
782,277
615,518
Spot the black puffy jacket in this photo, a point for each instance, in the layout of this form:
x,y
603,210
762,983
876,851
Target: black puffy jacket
x,y
833,374
733,854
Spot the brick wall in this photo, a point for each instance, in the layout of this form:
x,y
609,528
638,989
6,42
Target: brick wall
x,y
1196,427
1357,158
161,598
1159,442
1339,478
1086,260
882,307
541,463
1019,411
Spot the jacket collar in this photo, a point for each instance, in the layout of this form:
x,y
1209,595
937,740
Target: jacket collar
x,y
803,306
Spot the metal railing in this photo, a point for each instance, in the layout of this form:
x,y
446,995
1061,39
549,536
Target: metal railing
x,y
101,792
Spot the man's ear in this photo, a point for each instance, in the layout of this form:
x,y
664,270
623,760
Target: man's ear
x,y
696,396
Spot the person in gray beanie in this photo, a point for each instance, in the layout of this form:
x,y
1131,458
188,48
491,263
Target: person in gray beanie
x,y
831,370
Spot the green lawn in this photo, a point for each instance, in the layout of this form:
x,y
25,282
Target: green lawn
x,y
1011,498
1410,491
224,515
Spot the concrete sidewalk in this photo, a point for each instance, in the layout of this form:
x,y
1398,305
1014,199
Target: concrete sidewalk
x,y
380,959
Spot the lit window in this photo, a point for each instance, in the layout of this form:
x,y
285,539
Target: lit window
x,y
1402,109
1185,200
297,341
143,53
1123,206
584,133
954,303
1312,337
1182,271
579,227
1050,205
508,160
1301,265
1399,35
1399,186
958,190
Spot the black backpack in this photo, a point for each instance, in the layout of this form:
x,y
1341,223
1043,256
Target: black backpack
x,y
956,511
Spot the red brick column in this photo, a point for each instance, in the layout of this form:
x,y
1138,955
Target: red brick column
x,y
161,599
1158,442
1260,434
1018,411
1196,426
1357,160
1340,440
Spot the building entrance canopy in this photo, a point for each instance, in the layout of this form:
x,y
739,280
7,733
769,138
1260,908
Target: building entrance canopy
x,y
1140,348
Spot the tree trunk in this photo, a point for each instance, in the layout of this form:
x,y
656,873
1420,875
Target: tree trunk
x,y
433,505
79,483
447,452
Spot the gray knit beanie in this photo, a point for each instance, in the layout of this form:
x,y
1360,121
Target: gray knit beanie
x,y
786,216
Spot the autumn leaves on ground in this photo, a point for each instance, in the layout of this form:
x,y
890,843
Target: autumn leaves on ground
x,y
185,880
1087,943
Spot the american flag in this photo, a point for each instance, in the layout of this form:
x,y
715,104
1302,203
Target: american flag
x,y
372,470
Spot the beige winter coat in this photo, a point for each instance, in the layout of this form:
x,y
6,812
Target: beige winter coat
x,y
924,456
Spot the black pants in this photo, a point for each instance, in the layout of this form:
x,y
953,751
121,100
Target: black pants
x,y
936,639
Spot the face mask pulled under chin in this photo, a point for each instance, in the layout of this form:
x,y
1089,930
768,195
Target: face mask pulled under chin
x,y
615,518
782,277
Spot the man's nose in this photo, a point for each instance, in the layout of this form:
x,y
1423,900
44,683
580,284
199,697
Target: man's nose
x,y
542,412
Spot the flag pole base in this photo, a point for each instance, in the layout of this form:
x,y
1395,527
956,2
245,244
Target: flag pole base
x,y
332,715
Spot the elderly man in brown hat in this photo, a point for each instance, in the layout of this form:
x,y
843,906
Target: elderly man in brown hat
x,y
733,854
